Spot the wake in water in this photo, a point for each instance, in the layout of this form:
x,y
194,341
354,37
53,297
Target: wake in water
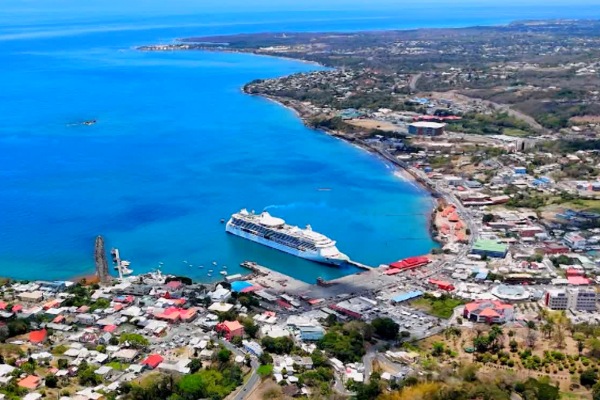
x,y
295,205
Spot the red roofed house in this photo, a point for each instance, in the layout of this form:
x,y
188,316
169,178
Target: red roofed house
x,y
578,280
575,272
152,361
189,314
30,382
230,329
442,285
173,285
17,308
3,305
489,312
171,314
36,337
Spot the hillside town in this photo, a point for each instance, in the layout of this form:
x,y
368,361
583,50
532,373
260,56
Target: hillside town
x,y
504,307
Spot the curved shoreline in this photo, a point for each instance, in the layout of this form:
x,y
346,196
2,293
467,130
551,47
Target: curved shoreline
x,y
400,167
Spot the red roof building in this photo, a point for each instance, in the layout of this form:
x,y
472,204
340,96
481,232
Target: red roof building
x,y
410,263
442,285
30,382
283,304
556,248
575,272
174,285
174,314
578,280
152,361
36,337
490,312
229,329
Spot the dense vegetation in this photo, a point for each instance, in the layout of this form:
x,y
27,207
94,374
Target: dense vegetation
x,y
214,383
441,307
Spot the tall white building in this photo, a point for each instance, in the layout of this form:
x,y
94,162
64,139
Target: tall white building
x,y
574,240
556,299
582,299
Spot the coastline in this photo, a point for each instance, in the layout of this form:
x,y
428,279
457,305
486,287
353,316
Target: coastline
x,y
401,170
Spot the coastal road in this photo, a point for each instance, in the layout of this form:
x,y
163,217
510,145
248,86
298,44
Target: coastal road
x,y
247,387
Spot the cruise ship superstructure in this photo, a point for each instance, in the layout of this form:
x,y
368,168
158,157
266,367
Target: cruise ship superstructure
x,y
274,232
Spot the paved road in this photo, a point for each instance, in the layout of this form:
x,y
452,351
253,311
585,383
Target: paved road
x,y
368,362
413,82
247,388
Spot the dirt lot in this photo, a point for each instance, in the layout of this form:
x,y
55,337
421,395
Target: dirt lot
x,y
373,124
563,378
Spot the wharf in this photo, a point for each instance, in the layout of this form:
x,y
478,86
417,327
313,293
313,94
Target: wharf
x,y
359,265
271,279
372,279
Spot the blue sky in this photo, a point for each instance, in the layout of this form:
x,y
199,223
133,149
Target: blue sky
x,y
16,12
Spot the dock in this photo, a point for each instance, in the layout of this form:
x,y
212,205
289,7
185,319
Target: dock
x,y
271,279
359,265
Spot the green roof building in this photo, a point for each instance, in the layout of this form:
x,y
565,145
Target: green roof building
x,y
490,248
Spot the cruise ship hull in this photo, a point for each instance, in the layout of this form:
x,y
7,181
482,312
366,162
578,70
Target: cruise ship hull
x,y
308,255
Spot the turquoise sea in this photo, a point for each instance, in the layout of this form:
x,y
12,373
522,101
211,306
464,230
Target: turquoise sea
x,y
177,146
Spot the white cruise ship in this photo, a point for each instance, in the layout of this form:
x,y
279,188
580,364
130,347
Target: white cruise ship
x,y
274,232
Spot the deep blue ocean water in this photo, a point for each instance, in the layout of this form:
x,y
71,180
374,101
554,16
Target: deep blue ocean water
x,y
177,146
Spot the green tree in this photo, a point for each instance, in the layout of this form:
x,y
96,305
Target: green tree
x,y
195,365
224,355
588,377
438,349
134,340
51,381
385,328
192,386
63,363
596,392
237,341
250,327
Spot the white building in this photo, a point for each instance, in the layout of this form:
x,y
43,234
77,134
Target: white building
x,y
556,299
574,240
571,299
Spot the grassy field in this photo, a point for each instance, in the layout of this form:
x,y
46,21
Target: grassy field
x,y
580,204
118,366
515,132
441,308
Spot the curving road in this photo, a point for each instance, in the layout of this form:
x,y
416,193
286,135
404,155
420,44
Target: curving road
x,y
254,379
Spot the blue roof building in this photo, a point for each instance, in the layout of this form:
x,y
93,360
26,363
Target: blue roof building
x,y
407,296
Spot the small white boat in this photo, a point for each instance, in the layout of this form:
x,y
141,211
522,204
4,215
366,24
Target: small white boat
x,y
209,274
200,266
210,270
224,267
223,272
214,263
